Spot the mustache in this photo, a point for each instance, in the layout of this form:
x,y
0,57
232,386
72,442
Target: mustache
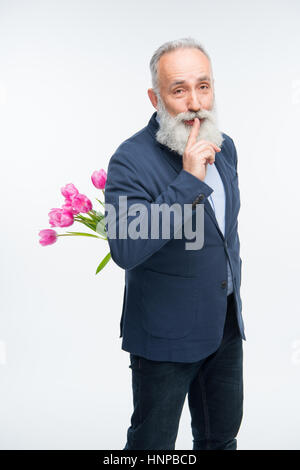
x,y
189,116
174,132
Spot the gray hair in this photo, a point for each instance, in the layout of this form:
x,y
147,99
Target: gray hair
x,y
171,46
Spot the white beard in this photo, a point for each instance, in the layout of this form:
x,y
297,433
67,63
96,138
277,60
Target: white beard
x,y
174,133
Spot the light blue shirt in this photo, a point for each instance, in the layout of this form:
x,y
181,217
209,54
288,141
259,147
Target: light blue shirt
x,y
217,200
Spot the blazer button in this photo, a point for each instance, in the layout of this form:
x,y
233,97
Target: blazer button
x,y
198,199
223,284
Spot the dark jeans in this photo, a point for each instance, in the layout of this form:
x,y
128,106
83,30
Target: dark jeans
x,y
215,396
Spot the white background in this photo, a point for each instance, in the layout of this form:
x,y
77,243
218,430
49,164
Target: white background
x,y
73,85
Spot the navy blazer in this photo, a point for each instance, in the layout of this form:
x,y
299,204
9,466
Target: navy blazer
x,y
175,300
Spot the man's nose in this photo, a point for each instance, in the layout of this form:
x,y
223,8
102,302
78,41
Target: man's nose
x,y
193,103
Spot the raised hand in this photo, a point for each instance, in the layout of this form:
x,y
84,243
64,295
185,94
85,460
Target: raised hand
x,y
198,154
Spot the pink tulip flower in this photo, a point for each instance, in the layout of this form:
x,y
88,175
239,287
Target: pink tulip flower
x,y
99,178
69,191
69,207
60,218
48,237
81,203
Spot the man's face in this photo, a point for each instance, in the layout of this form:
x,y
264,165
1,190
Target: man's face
x,y
185,91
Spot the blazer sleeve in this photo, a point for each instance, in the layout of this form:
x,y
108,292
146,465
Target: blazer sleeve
x,y
125,179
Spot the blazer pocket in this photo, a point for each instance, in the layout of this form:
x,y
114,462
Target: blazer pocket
x,y
169,304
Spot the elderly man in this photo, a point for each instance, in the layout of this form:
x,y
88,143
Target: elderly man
x,y
181,319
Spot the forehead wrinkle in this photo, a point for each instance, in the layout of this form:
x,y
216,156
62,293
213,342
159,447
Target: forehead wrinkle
x,y
199,79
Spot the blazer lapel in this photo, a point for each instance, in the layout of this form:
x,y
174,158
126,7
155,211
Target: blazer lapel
x,y
221,167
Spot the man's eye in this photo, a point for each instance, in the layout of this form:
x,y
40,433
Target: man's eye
x,y
205,86
176,91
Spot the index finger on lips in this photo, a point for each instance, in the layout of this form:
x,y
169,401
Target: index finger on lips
x,y
194,132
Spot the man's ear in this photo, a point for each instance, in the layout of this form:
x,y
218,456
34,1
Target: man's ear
x,y
153,97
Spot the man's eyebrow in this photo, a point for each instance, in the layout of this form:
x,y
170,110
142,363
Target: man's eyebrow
x,y
182,82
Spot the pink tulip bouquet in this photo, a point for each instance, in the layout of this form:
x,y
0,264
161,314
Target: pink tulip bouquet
x,y
71,211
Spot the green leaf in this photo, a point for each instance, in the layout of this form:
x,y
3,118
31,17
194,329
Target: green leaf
x,y
88,223
100,202
100,227
103,262
93,215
